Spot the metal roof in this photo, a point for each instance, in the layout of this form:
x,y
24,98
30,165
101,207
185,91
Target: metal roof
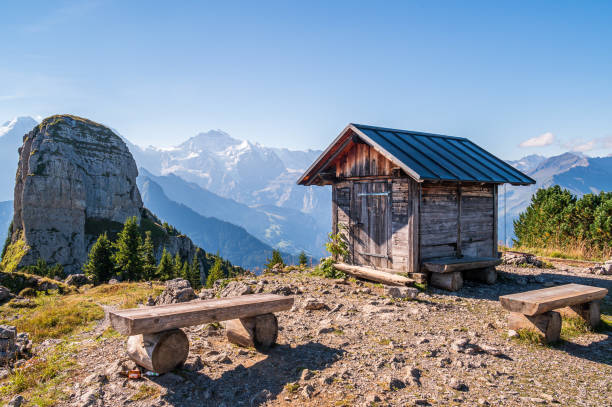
x,y
427,157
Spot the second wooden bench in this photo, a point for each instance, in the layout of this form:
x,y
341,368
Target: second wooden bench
x,y
541,310
157,344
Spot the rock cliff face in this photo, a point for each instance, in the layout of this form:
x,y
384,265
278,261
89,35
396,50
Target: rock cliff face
x,y
75,180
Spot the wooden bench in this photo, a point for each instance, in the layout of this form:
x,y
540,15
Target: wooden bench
x,y
534,310
449,272
157,343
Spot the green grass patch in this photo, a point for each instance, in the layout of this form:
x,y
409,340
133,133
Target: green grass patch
x,y
572,327
57,317
145,391
292,387
124,295
41,379
527,336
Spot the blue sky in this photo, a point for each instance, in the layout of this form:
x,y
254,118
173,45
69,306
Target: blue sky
x,y
293,74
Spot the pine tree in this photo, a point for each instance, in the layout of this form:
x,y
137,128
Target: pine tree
x,y
100,267
127,257
276,259
194,271
303,259
185,272
215,273
177,265
148,258
165,270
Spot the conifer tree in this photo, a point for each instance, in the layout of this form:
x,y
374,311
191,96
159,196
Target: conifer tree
x,y
127,257
165,270
148,258
215,273
178,266
194,271
276,259
100,267
303,259
185,272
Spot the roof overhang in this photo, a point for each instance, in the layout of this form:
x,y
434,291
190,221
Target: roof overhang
x,y
351,133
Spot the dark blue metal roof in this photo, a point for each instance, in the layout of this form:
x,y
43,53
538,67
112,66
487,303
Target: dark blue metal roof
x,y
433,157
425,156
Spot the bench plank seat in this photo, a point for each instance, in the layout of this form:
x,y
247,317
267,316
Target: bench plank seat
x,y
164,317
453,264
547,299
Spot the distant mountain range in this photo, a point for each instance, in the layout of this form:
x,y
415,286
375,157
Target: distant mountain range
x,y
573,171
215,180
6,216
215,236
11,138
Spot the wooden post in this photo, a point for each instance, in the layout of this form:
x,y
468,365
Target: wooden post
x,y
459,220
589,311
448,281
159,352
258,332
547,325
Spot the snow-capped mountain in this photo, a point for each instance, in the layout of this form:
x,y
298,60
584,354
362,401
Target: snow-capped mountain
x,y
251,174
238,169
11,138
573,171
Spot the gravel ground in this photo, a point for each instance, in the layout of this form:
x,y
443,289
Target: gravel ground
x,y
366,349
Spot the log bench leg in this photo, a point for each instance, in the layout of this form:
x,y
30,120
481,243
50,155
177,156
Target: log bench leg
x,y
259,332
547,325
486,275
159,352
589,311
448,281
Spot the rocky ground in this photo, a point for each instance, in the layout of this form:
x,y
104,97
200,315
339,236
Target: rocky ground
x,y
348,343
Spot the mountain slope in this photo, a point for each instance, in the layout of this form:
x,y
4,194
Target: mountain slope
x,y
287,229
6,216
11,138
243,171
575,172
213,235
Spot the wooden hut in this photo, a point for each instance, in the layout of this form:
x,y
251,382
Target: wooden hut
x,y
414,202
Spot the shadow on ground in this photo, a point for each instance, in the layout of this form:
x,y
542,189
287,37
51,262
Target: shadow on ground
x,y
250,386
509,282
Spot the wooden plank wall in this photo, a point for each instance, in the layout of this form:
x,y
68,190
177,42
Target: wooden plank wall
x,y
441,222
438,220
478,220
341,211
361,160
404,206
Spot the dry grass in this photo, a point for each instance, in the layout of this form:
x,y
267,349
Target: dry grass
x,y
570,252
123,295
40,380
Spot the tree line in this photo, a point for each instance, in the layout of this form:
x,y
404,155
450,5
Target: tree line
x,y
132,258
557,219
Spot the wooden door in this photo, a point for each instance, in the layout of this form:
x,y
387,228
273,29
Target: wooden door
x,y
372,228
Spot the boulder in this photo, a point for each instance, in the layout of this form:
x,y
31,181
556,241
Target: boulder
x,y
206,294
77,280
5,294
402,292
177,290
73,175
236,288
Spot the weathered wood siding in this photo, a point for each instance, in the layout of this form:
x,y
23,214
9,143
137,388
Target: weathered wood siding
x,y
361,160
449,211
478,220
438,220
371,209
404,216
341,212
